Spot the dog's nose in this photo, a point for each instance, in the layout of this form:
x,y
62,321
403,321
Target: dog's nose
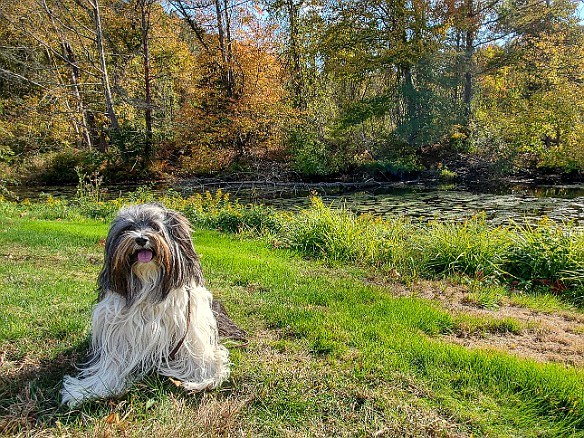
x,y
141,241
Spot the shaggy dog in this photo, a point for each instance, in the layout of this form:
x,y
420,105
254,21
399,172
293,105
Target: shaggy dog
x,y
153,312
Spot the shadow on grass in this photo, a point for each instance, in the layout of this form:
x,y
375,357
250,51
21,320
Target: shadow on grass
x,y
29,394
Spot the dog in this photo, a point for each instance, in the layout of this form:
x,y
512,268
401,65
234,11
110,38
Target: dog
x,y
153,312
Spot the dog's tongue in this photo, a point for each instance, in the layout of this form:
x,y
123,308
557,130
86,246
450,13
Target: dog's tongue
x,y
144,256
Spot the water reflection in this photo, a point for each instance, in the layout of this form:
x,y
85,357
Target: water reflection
x,y
454,204
501,204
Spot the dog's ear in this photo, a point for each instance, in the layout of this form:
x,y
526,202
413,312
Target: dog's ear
x,y
103,281
114,274
114,278
185,264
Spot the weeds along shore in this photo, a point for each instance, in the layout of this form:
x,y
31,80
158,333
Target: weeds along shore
x,y
543,257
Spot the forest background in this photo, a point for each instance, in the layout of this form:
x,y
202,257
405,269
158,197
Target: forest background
x,y
312,89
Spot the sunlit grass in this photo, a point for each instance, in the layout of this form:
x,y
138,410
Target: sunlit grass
x,y
328,350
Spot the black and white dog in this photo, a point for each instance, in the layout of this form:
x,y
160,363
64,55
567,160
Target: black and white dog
x,y
153,313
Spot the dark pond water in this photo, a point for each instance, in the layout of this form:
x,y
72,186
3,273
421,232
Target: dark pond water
x,y
517,204
517,201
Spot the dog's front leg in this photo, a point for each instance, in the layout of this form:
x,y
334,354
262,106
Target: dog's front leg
x,y
101,378
199,370
117,355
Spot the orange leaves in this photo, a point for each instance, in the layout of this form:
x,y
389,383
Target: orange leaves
x,y
220,128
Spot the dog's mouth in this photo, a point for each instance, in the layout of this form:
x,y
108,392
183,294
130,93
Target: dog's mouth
x,y
144,255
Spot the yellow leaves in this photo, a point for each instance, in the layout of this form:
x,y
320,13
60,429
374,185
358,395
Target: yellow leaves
x,y
249,121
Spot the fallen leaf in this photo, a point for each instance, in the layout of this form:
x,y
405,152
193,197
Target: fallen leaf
x,y
176,382
112,418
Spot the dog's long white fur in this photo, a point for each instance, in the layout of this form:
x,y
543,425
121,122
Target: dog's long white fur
x,y
128,342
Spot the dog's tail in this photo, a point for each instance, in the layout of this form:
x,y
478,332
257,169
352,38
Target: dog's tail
x,y
228,330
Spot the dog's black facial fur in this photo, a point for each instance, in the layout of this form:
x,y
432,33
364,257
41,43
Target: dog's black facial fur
x,y
168,236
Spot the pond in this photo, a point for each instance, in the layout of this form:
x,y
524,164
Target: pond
x,y
516,201
511,202
456,204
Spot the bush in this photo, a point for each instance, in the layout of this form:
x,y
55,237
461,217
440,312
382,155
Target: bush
x,y
310,154
243,218
62,167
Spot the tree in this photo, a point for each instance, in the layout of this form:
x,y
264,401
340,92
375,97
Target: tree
x,y
93,7
534,109
198,15
145,8
379,52
64,43
248,124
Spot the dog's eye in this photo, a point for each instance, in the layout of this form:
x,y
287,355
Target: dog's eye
x,y
155,226
127,228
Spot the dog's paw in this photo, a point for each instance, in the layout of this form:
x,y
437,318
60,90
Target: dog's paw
x,y
73,393
199,386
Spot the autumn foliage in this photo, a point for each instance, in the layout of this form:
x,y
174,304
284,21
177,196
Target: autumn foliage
x,y
302,88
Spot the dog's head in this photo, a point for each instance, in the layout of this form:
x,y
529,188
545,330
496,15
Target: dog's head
x,y
148,247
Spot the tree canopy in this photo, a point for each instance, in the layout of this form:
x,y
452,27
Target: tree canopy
x,y
320,87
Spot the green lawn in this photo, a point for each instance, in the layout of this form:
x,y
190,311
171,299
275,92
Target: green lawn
x,y
330,353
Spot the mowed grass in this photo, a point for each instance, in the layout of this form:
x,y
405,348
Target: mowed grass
x,y
330,354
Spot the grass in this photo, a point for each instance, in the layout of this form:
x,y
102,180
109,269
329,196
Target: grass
x,y
330,353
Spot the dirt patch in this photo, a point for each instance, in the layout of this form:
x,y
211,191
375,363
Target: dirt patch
x,y
544,336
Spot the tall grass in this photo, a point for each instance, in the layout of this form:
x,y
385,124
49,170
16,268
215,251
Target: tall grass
x,y
471,247
548,255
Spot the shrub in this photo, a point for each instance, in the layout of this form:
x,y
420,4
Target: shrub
x,y
310,154
243,218
62,166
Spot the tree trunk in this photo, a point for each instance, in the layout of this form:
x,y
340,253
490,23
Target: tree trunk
x,y
411,105
468,76
468,56
71,61
109,102
297,79
145,6
226,68
229,47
